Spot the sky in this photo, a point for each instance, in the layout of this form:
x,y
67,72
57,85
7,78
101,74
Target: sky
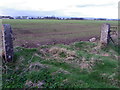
x,y
60,8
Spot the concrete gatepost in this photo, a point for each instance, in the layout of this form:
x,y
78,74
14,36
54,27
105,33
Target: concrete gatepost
x,y
105,34
0,39
0,54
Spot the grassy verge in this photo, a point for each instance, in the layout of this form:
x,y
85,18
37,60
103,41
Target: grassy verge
x,y
79,65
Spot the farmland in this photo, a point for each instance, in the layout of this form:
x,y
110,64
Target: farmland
x,y
42,60
34,33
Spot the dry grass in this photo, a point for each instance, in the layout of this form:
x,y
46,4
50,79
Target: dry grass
x,y
61,71
31,84
57,51
36,66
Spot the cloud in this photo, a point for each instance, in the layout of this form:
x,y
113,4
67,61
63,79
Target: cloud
x,y
15,12
71,8
95,5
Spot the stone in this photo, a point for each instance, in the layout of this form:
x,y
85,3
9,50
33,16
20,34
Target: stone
x,y
105,32
92,39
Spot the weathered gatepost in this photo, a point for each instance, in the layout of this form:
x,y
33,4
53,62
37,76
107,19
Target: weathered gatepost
x,y
7,42
105,35
0,40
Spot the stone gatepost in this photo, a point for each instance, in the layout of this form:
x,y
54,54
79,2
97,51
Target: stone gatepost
x,y
0,39
105,34
7,43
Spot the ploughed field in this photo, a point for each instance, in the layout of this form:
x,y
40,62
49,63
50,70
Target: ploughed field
x,y
33,33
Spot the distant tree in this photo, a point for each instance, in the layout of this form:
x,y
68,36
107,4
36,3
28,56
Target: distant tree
x,y
101,19
18,17
77,18
11,18
24,17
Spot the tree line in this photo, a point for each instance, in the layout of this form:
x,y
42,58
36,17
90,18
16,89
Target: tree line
x,y
51,17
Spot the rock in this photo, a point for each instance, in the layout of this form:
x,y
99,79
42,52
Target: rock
x,y
92,39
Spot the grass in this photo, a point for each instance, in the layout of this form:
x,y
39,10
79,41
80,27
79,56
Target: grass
x,y
39,31
44,70
38,24
39,68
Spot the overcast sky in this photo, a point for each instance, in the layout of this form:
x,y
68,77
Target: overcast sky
x,y
64,8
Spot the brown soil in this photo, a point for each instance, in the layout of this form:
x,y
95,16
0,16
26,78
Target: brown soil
x,y
30,38
35,43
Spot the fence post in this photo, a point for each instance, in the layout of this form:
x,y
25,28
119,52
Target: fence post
x,y
105,34
7,43
0,40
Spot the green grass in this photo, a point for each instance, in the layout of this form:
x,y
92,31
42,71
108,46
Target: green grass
x,y
35,31
61,73
22,24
